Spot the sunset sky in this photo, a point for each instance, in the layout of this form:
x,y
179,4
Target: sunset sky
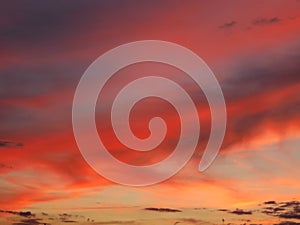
x,y
253,48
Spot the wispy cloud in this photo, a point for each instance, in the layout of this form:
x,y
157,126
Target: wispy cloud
x,y
228,25
10,144
266,21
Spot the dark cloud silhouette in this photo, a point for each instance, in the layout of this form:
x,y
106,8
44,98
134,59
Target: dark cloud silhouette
x,y
228,25
288,223
69,218
272,210
286,210
24,214
65,215
290,204
10,144
270,203
115,222
223,210
162,209
266,21
241,212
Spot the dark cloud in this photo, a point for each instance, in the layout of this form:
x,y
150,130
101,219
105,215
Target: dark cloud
x,y
35,23
286,210
69,218
24,82
256,80
162,209
290,215
266,21
223,210
290,204
272,210
255,74
287,223
10,144
31,222
270,203
64,215
190,221
24,214
115,222
241,212
228,25
5,166
50,25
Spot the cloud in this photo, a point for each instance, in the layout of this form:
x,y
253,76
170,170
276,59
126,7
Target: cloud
x,y
264,72
223,210
241,212
262,92
30,222
288,223
228,25
266,21
10,144
69,218
162,209
24,214
5,166
33,24
286,210
270,203
115,222
190,221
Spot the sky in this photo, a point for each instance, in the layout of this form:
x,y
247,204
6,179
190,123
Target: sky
x,y
253,49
